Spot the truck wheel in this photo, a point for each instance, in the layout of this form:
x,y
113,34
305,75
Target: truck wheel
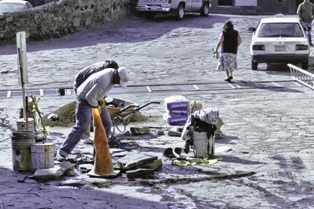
x,y
205,9
180,12
254,65
305,65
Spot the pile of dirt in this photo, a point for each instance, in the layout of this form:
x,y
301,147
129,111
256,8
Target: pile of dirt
x,y
66,116
138,117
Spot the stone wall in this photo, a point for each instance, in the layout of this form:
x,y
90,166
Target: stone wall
x,y
62,17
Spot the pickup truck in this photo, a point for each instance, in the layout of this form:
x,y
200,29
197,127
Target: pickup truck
x,y
176,7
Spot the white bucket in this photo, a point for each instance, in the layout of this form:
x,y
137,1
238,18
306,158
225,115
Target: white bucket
x,y
21,125
42,155
203,145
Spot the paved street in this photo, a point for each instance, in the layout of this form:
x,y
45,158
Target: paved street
x,y
267,149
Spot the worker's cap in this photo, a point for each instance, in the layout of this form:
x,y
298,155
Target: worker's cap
x,y
111,64
124,76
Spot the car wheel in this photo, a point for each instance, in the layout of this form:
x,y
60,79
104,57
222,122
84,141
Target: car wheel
x,y
205,9
180,12
305,65
254,65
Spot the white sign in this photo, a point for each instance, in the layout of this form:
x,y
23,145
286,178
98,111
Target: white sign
x,y
21,57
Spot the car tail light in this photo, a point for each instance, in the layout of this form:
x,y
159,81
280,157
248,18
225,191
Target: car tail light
x,y
301,47
258,47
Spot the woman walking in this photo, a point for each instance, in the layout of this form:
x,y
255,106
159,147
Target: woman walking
x,y
229,41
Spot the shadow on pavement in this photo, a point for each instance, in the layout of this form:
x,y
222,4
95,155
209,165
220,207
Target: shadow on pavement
x,y
233,159
31,195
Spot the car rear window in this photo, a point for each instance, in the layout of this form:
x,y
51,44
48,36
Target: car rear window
x,y
280,30
11,7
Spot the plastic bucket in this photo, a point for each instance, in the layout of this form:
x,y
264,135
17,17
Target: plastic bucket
x,y
200,144
42,155
203,145
21,125
21,150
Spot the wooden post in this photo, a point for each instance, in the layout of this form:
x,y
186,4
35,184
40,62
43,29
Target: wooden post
x,y
22,64
23,87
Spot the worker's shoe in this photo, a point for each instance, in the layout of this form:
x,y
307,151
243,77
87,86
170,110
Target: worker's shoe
x,y
61,156
88,141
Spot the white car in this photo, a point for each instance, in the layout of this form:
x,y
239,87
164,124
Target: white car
x,y
10,6
279,40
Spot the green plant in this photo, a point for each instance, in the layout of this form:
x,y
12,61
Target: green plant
x,y
39,121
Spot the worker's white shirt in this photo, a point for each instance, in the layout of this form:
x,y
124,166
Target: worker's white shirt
x,y
96,86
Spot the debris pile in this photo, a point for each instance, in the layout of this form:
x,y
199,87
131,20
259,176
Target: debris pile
x,y
137,165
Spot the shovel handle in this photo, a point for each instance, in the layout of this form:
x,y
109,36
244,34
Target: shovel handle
x,y
26,113
138,107
144,105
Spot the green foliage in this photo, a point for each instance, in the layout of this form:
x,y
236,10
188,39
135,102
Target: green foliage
x,y
39,121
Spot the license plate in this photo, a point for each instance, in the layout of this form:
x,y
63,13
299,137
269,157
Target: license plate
x,y
280,48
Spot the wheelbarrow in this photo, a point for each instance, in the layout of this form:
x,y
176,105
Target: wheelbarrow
x,y
121,112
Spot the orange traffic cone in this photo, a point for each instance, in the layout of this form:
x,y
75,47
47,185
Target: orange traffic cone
x,y
103,167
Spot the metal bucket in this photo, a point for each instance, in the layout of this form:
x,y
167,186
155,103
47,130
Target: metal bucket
x,y
42,155
203,145
21,125
21,150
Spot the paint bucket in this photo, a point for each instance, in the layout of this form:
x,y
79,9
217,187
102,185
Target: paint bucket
x,y
21,150
42,155
21,125
203,145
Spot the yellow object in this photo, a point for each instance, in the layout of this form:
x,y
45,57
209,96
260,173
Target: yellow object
x,y
101,104
192,162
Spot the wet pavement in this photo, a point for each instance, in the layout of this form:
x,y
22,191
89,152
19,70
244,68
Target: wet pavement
x,y
266,150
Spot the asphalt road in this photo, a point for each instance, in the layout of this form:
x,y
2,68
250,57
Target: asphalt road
x,y
268,118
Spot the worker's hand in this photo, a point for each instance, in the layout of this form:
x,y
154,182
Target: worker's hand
x,y
101,104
